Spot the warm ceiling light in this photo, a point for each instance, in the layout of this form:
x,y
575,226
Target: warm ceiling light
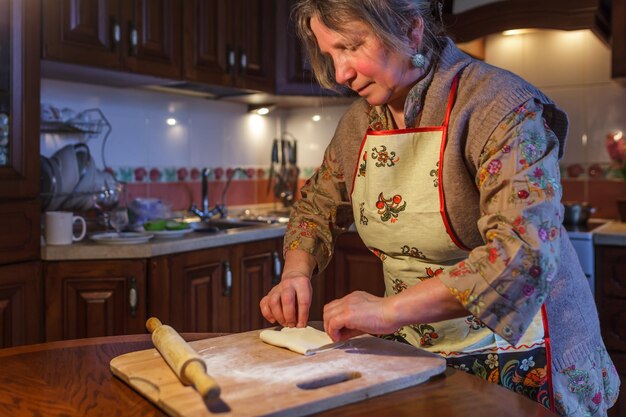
x,y
171,121
261,109
316,118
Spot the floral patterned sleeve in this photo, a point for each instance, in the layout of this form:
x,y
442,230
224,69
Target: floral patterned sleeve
x,y
505,282
323,212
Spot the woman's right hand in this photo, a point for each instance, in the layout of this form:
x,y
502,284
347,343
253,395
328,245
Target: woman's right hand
x,y
288,303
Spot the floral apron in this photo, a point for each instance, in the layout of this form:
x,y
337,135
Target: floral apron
x,y
399,212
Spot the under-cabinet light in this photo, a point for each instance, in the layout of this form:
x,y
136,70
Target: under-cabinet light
x,y
171,121
261,109
316,118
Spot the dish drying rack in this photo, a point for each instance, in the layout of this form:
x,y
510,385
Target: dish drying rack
x,y
90,122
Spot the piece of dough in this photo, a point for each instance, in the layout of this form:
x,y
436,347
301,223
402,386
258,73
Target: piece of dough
x,y
299,340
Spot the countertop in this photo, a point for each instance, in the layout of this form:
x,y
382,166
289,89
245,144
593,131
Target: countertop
x,y
72,378
87,249
612,233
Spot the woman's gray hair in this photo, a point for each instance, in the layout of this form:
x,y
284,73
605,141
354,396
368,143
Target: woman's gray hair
x,y
390,20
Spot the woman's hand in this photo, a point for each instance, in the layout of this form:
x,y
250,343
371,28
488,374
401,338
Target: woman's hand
x,y
358,313
288,303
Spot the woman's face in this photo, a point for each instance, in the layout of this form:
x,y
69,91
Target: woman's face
x,y
363,64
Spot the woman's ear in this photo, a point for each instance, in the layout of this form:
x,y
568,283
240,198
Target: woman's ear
x,y
416,33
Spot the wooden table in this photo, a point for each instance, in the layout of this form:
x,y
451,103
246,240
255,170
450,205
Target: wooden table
x,y
72,378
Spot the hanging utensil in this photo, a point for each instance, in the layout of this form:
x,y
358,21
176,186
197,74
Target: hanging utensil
x,y
273,160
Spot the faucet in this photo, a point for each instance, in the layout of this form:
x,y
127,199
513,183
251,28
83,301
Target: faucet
x,y
207,213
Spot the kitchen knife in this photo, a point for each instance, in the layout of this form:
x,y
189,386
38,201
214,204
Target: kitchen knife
x,y
188,366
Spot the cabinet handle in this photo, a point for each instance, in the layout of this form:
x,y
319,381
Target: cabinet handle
x,y
116,32
132,297
230,58
227,285
243,62
134,38
278,269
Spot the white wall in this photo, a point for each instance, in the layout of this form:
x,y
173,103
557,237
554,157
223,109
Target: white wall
x,y
573,68
208,133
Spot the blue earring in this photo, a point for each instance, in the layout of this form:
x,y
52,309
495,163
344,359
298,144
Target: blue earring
x,y
418,60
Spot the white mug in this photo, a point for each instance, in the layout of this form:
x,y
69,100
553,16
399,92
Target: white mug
x,y
60,228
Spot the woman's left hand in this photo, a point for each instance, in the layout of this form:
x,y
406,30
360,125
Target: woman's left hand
x,y
358,313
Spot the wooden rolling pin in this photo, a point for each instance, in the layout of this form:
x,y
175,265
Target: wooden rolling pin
x,y
184,361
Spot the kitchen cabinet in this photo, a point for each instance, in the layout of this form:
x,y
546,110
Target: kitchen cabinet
x,y
21,298
611,303
94,298
230,43
498,16
618,40
140,36
217,289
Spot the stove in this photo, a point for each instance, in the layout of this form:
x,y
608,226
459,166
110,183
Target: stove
x,y
581,237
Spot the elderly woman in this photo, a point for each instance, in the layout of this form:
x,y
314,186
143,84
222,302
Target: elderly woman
x,y
448,168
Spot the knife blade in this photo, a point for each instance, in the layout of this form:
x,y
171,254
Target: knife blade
x,y
330,346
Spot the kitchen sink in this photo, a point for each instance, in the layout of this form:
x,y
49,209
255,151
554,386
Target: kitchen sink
x,y
227,224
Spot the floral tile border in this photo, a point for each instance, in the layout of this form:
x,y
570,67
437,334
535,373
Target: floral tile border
x,y
187,174
590,171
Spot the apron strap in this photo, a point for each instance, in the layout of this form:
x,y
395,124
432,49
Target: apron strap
x,y
451,98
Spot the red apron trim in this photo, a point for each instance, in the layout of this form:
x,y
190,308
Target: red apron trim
x,y
444,140
546,338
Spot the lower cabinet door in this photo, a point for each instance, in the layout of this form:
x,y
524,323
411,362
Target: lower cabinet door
x,y
196,290
21,298
95,298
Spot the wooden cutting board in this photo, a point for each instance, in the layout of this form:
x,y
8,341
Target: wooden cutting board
x,y
258,379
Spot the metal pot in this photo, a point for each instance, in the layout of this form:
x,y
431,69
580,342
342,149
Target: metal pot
x,y
577,214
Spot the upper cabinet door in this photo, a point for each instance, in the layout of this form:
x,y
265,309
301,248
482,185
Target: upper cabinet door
x,y
255,25
154,37
142,36
87,32
293,71
208,42
229,43
19,100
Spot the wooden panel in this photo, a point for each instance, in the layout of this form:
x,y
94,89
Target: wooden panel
x,y
255,272
355,268
618,39
611,264
207,38
20,231
158,27
198,300
81,32
20,178
21,299
93,298
612,312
